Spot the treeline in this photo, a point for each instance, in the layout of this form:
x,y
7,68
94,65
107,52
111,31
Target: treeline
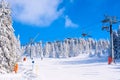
x,y
116,43
70,47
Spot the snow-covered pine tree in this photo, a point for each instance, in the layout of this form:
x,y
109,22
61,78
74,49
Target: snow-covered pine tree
x,y
72,47
65,48
75,47
116,43
53,50
9,44
57,49
47,49
39,49
80,46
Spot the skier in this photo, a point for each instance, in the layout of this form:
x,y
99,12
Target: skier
x,y
33,63
24,59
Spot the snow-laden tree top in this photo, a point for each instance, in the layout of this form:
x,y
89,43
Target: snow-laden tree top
x,y
9,44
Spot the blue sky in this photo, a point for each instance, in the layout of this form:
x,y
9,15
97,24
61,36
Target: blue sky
x,y
60,19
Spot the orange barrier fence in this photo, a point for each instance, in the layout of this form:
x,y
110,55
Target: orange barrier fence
x,y
16,68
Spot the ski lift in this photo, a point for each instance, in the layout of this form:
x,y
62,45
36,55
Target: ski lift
x,y
30,43
86,35
105,28
107,19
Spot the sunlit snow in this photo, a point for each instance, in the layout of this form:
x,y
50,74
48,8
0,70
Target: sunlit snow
x,y
76,68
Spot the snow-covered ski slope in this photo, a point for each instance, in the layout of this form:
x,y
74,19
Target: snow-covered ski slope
x,y
76,68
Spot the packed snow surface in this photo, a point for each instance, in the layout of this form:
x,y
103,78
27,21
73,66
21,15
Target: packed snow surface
x,y
76,68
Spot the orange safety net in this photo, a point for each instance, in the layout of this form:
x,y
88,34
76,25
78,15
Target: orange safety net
x,y
16,68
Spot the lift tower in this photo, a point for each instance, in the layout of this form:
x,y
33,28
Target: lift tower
x,y
110,20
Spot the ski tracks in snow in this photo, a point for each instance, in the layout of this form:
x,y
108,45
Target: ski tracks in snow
x,y
27,72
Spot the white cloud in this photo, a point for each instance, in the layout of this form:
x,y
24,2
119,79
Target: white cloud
x,y
36,12
69,23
